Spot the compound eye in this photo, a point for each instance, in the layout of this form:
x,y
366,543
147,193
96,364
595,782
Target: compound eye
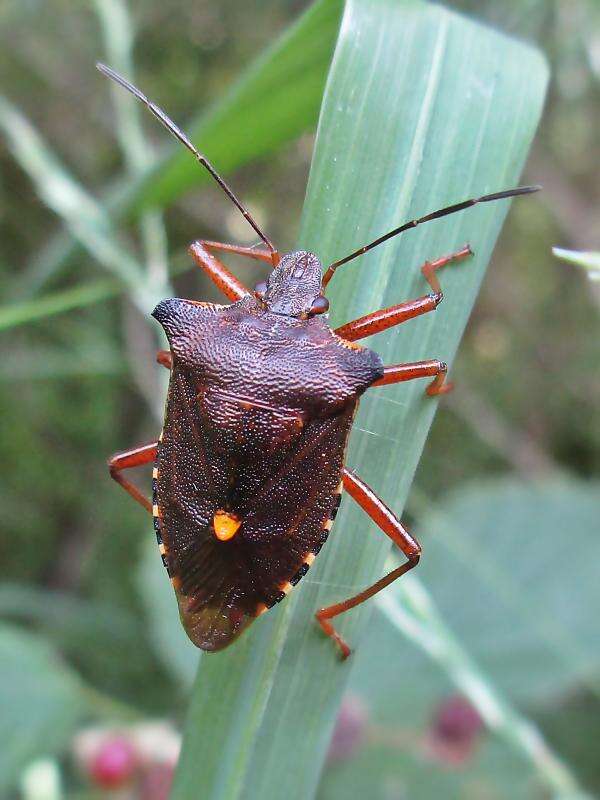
x,y
260,289
320,305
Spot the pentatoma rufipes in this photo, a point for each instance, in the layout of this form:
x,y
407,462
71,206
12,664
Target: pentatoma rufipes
x,y
249,468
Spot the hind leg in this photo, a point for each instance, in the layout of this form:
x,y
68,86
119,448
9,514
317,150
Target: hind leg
x,y
392,527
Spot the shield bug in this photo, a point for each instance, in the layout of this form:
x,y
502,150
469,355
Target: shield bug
x,y
249,468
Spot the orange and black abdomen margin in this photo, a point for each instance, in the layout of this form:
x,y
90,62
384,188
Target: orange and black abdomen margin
x,y
222,586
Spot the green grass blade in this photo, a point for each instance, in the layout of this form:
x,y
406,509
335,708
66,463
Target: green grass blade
x,y
85,294
56,303
118,37
87,219
588,261
275,101
422,108
410,609
118,34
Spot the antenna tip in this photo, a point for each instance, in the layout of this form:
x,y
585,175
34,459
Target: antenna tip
x,y
508,193
529,189
107,71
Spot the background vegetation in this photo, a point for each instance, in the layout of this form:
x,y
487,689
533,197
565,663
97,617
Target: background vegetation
x,y
504,496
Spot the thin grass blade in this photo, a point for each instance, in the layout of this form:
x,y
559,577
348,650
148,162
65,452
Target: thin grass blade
x,y
28,311
410,609
87,220
253,119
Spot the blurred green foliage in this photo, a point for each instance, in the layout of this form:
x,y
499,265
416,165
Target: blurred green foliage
x,y
78,587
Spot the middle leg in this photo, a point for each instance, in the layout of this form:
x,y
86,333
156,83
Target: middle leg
x,y
433,368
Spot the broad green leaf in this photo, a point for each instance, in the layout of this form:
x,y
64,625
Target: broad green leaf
x,y
508,616
396,768
66,619
411,610
422,108
400,695
524,557
41,702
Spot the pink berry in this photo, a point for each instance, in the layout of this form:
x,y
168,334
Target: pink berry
x,y
350,729
114,763
457,721
454,733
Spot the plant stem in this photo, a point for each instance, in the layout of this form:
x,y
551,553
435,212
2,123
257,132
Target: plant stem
x,y
118,37
410,609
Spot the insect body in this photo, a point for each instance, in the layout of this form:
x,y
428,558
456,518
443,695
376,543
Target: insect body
x,y
249,466
249,469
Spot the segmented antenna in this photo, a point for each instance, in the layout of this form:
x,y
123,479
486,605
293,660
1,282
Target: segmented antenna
x,y
442,212
179,134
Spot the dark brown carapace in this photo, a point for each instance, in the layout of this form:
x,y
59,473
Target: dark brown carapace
x,y
249,468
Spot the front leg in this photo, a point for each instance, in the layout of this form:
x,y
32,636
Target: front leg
x,y
392,527
220,275
165,358
386,318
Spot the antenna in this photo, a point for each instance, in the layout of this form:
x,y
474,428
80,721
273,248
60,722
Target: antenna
x,y
179,134
442,212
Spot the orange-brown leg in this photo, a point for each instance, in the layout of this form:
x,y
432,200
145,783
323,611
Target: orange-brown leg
x,y
220,275
164,358
429,268
392,527
256,253
136,457
388,317
418,369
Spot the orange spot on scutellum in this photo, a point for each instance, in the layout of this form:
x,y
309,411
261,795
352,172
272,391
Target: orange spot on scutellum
x,y
226,525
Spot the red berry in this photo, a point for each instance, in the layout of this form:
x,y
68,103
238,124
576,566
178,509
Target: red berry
x,y
114,763
454,733
350,729
457,721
